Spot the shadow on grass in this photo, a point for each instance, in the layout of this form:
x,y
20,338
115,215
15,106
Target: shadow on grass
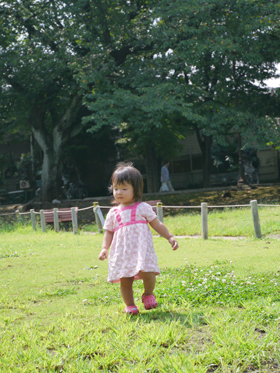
x,y
188,319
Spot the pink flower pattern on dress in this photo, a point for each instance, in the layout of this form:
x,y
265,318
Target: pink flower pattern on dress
x,y
132,249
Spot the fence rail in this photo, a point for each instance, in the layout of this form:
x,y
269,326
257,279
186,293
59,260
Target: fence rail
x,y
204,207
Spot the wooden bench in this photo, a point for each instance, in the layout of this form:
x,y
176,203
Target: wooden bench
x,y
64,214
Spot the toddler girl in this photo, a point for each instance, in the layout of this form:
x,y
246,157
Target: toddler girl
x,y
132,254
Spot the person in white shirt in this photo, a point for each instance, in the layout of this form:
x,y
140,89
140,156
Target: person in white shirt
x,y
166,185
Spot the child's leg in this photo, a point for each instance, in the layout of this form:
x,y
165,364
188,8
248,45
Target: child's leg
x,y
126,290
149,280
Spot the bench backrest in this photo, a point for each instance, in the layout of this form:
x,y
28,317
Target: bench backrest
x,y
64,214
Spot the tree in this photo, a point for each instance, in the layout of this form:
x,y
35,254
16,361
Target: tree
x,y
127,93
217,50
47,48
37,79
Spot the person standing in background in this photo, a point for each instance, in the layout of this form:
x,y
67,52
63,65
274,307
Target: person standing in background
x,y
166,185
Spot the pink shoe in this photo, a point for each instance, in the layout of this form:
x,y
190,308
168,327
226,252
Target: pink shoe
x,y
149,301
132,310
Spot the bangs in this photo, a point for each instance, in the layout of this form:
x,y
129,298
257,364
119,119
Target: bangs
x,y
122,176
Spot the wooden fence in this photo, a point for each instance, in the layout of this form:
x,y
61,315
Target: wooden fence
x,y
72,213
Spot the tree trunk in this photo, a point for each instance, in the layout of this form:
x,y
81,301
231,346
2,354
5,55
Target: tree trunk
x,y
241,180
207,161
51,141
51,167
205,146
150,164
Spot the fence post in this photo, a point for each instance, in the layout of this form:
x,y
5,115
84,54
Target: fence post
x,y
98,217
19,217
256,219
74,219
55,220
204,220
43,221
33,219
160,211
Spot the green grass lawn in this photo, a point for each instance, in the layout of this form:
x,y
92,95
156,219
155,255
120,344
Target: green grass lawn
x,y
218,311
225,222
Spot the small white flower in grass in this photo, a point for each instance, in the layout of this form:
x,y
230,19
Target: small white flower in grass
x,y
217,279
199,285
213,276
277,274
205,287
275,284
224,280
230,261
218,273
164,295
214,283
85,300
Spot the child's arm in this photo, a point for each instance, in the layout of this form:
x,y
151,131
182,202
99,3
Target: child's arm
x,y
161,229
107,240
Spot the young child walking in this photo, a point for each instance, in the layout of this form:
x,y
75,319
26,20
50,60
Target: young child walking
x,y
132,255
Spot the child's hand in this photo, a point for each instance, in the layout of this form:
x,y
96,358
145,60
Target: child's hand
x,y
173,243
103,254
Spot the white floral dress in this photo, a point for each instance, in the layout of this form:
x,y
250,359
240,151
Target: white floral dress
x,y
132,248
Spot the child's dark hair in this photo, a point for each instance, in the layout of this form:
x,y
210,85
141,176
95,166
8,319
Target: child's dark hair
x,y
126,173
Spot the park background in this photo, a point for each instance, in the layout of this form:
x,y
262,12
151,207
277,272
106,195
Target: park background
x,y
84,85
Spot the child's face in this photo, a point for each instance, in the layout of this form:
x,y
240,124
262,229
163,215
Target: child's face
x,y
123,193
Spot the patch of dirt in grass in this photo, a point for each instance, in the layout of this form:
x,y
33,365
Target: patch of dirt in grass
x,y
200,339
269,368
215,237
276,236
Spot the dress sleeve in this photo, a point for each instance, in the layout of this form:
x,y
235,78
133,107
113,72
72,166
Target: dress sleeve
x,y
109,221
148,212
